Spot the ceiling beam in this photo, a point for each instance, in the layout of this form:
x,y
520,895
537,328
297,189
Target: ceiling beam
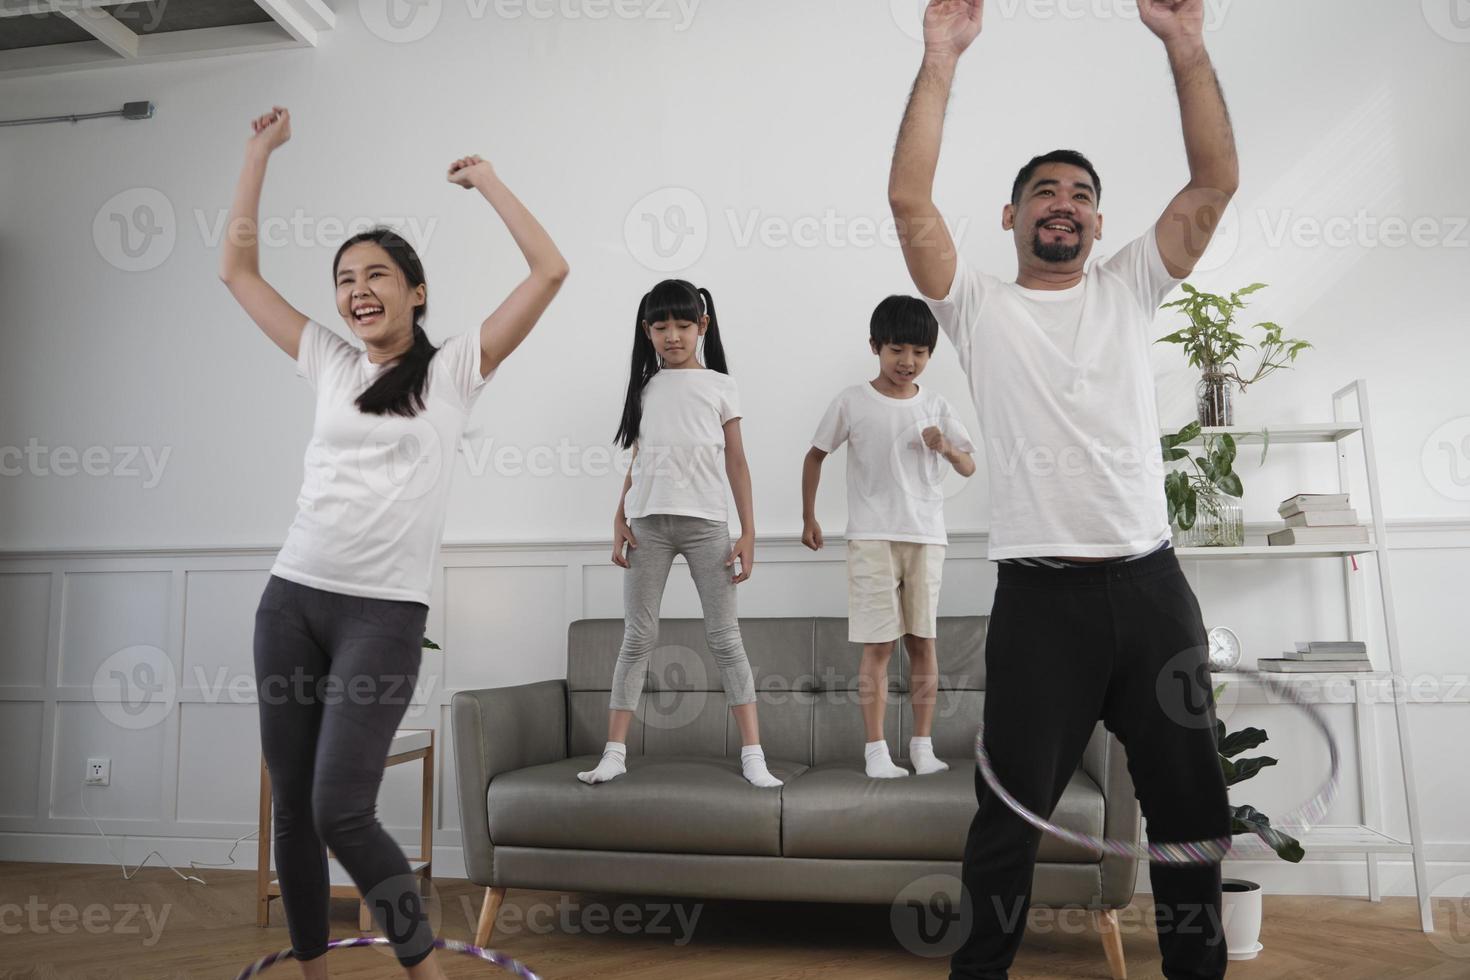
x,y
103,26
176,46
302,19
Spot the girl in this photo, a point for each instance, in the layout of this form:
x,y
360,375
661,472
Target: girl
x,y
682,420
341,621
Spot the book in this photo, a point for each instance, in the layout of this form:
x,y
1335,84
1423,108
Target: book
x,y
1312,501
1322,518
1332,646
1282,665
1331,658
1355,534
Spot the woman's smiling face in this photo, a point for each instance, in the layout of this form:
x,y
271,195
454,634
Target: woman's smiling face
x,y
373,297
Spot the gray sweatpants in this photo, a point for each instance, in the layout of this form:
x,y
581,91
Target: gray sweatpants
x,y
705,544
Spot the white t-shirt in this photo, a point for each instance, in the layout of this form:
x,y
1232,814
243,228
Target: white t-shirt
x,y
680,466
894,481
1072,435
373,498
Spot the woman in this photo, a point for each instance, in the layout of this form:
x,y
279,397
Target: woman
x,y
339,629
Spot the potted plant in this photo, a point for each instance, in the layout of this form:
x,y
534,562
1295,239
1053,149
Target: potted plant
x,y
1213,346
1204,497
1241,899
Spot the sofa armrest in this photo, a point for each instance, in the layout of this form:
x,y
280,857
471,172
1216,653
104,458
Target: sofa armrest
x,y
500,730
1107,765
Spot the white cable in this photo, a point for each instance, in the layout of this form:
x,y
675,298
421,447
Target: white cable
x,y
128,876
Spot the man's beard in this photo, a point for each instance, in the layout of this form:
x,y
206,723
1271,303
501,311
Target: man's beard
x,y
1054,251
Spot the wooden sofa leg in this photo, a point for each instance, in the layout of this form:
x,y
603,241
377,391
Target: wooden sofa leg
x,y
488,911
1107,925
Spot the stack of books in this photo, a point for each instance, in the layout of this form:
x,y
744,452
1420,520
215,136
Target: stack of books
x,y
1318,518
1320,655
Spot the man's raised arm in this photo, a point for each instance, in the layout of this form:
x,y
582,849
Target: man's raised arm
x,y
1187,224
949,28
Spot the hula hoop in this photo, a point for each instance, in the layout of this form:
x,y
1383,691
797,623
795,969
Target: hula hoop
x,y
451,945
1209,851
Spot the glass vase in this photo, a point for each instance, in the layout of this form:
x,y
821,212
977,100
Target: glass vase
x,y
1218,523
1212,401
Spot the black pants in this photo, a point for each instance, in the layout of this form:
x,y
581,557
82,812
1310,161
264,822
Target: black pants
x,y
1122,642
334,675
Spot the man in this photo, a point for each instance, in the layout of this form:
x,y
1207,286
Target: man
x,y
1092,617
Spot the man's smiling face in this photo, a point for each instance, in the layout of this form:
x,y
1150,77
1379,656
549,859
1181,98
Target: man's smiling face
x,y
1056,219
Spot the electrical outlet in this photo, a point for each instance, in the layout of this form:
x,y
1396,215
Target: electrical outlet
x,y
99,772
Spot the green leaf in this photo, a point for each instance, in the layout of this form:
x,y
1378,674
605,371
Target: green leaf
x,y
1188,289
1227,443
1243,769
1229,483
1238,742
1175,454
430,644
1249,820
1190,432
1186,517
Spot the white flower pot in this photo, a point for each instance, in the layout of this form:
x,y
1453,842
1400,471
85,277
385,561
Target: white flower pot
x,y
1240,909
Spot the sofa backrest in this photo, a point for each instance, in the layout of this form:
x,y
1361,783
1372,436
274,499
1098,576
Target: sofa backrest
x,y
806,679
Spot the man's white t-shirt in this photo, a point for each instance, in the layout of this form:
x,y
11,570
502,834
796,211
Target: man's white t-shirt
x,y
894,481
680,465
375,490
1064,393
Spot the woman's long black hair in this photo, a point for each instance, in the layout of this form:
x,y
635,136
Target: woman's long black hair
x,y
400,389
672,299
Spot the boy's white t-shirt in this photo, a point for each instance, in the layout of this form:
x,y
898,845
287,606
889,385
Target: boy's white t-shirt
x,y
894,490
1064,393
375,490
680,465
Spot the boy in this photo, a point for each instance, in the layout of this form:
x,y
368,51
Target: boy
x,y
896,435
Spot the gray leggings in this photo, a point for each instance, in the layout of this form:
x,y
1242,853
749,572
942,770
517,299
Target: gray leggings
x,y
334,675
705,544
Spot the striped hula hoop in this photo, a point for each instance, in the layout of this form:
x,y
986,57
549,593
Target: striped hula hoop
x,y
1209,851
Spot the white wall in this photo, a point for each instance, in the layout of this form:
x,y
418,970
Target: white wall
x,y
760,110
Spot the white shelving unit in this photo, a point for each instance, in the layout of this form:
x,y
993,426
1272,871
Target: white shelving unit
x,y
1359,689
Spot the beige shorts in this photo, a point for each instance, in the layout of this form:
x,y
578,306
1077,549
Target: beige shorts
x,y
892,589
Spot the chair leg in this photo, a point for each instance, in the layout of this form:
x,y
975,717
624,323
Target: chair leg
x,y
364,917
488,911
1107,925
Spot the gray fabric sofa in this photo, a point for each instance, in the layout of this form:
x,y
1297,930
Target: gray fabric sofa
x,y
683,821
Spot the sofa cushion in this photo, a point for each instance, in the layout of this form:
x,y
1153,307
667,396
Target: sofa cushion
x,y
671,804
834,810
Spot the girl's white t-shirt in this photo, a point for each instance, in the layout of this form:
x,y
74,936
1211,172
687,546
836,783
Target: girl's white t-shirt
x,y
1064,394
894,481
680,465
375,488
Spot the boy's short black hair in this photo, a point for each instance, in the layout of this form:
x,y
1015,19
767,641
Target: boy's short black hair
x,y
904,320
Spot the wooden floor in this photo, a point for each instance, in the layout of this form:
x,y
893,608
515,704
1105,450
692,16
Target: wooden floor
x,y
159,927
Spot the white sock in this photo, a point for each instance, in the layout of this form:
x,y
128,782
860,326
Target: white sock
x,y
611,764
921,754
880,763
753,765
